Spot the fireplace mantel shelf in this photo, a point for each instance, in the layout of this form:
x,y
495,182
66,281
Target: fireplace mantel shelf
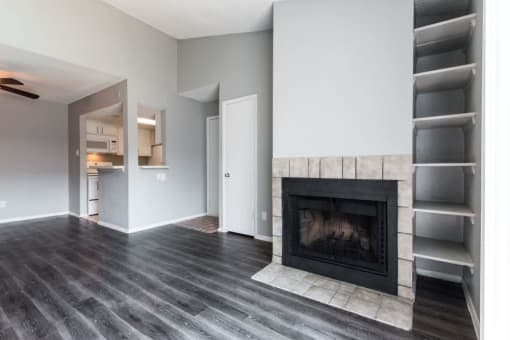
x,y
442,251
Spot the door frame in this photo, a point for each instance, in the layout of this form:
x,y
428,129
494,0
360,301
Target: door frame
x,y
223,128
208,165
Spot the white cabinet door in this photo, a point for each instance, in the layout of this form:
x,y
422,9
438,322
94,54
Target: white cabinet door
x,y
144,143
93,127
109,130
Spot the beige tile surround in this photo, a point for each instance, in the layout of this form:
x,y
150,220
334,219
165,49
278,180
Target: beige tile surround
x,y
389,309
387,167
392,310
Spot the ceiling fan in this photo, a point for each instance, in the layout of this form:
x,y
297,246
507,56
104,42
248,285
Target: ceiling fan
x,y
11,81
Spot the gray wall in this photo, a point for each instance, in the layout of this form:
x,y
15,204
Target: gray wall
x,y
33,149
183,194
242,65
94,35
343,77
474,152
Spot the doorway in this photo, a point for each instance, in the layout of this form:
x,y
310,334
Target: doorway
x,y
213,165
239,160
101,148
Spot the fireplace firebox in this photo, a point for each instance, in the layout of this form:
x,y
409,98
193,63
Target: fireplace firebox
x,y
343,229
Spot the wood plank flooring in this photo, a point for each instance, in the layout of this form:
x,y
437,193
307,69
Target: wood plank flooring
x,y
65,278
205,224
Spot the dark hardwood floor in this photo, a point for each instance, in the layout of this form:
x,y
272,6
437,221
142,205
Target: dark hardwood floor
x,y
62,278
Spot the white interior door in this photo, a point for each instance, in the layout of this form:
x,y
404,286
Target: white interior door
x,y
213,165
239,122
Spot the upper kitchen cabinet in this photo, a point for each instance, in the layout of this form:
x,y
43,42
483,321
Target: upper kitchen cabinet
x,y
151,137
99,128
102,131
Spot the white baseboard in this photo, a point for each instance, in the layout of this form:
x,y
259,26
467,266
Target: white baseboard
x,y
34,217
264,238
113,227
439,275
75,215
471,309
163,223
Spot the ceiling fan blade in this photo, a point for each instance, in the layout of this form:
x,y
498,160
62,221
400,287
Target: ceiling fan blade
x,y
10,81
19,92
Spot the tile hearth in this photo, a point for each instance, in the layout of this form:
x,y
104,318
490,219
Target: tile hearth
x,y
392,310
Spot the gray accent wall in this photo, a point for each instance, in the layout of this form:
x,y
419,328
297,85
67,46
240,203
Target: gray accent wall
x,y
242,65
343,77
33,162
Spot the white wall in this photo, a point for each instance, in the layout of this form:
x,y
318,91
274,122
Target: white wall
x,y
342,77
33,162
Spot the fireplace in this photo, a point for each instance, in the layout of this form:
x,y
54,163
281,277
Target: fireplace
x,y
344,229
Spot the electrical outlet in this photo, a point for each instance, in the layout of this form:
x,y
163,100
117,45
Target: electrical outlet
x,y
3,204
264,216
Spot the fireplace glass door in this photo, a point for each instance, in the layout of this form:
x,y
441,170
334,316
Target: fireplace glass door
x,y
342,231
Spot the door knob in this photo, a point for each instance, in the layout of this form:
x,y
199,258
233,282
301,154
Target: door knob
x,y
227,175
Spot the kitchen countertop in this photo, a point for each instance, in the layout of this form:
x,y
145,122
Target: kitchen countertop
x,y
108,168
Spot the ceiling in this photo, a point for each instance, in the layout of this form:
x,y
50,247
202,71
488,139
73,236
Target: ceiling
x,y
184,19
53,80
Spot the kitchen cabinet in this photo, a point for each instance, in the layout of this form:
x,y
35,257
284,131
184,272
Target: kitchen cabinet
x,y
157,155
93,127
97,128
158,136
109,130
145,142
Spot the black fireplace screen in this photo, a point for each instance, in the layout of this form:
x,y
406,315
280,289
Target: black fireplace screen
x,y
344,229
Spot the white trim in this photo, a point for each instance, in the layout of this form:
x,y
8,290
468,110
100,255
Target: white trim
x,y
33,217
495,253
74,214
264,238
113,227
472,310
207,166
223,160
439,275
164,223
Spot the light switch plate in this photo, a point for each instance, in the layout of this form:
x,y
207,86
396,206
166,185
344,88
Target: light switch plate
x,y
3,204
161,177
264,216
